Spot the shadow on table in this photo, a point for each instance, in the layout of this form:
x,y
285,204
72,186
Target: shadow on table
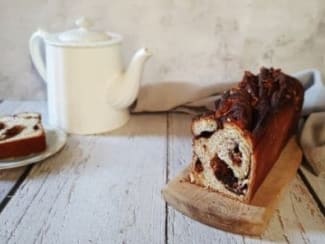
x,y
79,149
153,125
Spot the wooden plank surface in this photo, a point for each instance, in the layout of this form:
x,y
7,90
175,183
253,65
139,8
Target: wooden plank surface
x,y
99,189
9,177
296,220
316,183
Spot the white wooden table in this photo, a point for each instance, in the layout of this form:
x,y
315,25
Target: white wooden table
x,y
106,189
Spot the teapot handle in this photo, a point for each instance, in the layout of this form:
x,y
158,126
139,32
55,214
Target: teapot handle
x,y
35,44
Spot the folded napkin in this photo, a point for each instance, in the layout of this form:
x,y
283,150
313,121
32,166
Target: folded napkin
x,y
312,141
192,98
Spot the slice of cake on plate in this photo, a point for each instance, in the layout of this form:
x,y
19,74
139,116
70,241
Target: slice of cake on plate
x,y
21,135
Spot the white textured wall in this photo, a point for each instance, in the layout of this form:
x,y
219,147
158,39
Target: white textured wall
x,y
195,40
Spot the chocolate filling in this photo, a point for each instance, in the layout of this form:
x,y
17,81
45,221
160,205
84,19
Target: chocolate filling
x,y
198,167
224,174
13,131
205,134
2,125
236,155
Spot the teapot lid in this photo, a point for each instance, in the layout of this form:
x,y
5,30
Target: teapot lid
x,y
83,36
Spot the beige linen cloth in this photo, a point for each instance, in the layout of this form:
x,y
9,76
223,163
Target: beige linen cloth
x,y
312,141
194,99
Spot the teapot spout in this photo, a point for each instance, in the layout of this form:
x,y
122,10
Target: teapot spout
x,y
126,90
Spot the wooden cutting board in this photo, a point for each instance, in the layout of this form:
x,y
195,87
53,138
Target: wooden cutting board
x,y
221,212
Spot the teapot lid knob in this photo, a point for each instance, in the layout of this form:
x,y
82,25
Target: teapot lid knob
x,y
84,36
84,23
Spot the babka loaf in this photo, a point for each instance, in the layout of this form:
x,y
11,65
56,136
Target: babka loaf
x,y
21,134
235,146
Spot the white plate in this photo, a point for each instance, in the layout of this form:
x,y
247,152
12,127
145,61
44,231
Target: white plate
x,y
55,140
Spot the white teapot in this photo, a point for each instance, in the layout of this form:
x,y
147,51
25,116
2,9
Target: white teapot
x,y
87,90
